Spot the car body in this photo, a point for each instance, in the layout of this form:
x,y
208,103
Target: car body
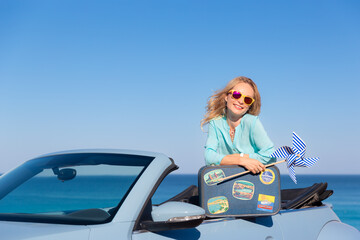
x,y
106,194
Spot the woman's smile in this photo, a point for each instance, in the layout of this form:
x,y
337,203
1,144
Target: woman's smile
x,y
238,106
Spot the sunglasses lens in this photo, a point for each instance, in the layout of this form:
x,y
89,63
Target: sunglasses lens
x,y
248,100
236,95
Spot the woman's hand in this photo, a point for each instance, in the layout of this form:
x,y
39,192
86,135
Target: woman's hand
x,y
250,164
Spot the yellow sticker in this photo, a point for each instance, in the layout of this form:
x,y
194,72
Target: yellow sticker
x,y
266,203
267,177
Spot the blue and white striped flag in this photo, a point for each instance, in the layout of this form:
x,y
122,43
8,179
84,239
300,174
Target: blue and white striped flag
x,y
295,156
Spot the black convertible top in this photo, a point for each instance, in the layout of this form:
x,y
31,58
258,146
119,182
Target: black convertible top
x,y
290,198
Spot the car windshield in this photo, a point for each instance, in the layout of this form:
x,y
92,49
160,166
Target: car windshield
x,y
80,188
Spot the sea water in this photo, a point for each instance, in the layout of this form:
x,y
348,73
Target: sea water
x,y
345,199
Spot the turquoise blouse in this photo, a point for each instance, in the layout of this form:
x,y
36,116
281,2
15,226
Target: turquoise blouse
x,y
250,138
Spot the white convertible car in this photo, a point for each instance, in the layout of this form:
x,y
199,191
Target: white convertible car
x,y
107,194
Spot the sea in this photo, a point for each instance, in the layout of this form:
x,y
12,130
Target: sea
x,y
345,199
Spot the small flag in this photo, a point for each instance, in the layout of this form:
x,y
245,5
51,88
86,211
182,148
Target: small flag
x,y
295,156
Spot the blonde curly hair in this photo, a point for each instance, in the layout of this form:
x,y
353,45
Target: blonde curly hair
x,y
216,105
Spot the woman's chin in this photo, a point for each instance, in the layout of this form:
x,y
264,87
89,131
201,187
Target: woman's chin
x,y
237,112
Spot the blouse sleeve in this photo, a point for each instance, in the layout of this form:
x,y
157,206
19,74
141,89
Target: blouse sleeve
x,y
211,146
262,144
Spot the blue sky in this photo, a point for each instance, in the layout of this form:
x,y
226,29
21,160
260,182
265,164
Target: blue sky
x,y
137,75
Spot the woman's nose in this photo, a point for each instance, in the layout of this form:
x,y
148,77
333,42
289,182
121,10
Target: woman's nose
x,y
240,100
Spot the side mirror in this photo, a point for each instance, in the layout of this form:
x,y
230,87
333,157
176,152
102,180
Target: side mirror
x,y
174,215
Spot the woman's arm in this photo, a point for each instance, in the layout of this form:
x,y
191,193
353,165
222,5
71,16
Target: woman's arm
x,y
211,146
264,147
250,164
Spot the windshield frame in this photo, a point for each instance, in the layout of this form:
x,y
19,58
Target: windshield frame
x,y
19,175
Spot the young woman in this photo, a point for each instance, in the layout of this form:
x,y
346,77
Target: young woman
x,y
236,135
